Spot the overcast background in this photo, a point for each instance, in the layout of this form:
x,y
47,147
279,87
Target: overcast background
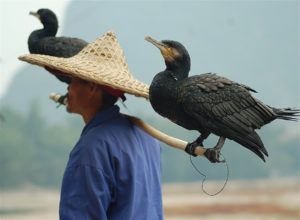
x,y
256,42
252,42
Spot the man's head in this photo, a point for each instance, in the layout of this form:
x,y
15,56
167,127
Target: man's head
x,y
101,62
86,97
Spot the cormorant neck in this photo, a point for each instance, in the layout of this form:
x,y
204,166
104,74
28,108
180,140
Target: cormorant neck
x,y
179,69
34,38
51,28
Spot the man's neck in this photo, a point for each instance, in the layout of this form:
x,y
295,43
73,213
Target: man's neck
x,y
89,114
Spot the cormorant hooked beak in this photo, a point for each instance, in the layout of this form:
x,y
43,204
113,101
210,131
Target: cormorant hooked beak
x,y
35,14
166,51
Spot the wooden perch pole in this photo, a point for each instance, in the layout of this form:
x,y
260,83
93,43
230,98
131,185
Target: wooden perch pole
x,y
169,140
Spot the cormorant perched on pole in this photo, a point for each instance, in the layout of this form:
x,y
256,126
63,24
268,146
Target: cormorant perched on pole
x,y
43,41
210,103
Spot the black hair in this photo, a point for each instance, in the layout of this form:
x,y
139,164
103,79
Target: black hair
x,y
108,99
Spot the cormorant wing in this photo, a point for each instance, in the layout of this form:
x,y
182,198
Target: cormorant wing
x,y
225,108
222,100
60,46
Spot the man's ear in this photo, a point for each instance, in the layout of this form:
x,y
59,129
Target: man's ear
x,y
93,88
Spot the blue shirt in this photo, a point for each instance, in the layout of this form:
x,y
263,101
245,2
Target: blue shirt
x,y
113,172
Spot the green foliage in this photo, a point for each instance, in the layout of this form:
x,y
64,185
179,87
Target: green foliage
x,y
32,151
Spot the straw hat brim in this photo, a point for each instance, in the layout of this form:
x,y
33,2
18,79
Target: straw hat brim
x,y
101,62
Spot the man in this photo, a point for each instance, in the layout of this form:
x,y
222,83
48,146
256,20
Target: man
x,y
114,170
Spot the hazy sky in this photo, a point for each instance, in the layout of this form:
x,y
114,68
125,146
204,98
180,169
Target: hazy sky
x,y
16,24
249,42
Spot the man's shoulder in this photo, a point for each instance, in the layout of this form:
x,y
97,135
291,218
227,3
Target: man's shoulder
x,y
118,134
91,150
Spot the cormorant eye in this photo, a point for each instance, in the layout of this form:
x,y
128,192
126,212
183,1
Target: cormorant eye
x,y
171,51
175,52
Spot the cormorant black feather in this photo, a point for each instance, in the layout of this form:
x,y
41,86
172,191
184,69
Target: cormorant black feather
x,y
210,103
43,41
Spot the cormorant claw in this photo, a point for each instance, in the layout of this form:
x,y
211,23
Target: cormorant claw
x,y
213,155
190,148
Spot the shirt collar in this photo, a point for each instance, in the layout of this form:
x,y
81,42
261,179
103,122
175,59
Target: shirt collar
x,y
101,117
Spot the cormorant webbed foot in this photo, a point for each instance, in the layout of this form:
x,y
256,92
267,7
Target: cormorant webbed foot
x,y
213,154
190,148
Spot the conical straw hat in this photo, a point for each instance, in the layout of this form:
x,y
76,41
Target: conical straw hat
x,y
101,61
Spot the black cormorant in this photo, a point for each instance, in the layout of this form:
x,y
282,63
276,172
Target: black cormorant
x,y
209,103
43,41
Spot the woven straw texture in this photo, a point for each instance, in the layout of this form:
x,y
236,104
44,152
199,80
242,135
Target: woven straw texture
x,y
102,62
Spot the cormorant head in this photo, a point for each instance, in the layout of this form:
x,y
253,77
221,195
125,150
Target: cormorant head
x,y
175,55
47,18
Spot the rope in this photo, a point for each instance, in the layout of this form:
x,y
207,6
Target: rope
x,y
202,174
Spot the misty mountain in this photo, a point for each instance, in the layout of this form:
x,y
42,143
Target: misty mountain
x,y
254,47
246,42
34,84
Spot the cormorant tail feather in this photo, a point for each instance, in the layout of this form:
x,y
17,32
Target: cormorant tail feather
x,y
254,144
289,114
